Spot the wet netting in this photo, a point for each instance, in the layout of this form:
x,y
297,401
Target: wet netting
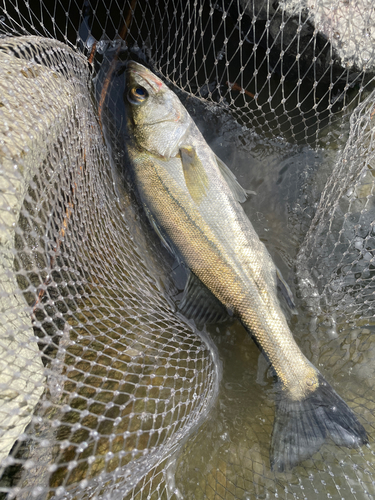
x,y
106,390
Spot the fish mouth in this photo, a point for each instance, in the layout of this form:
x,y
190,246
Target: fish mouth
x,y
145,74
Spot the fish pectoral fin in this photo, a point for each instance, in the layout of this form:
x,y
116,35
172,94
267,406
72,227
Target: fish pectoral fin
x,y
196,178
286,291
199,304
238,191
158,231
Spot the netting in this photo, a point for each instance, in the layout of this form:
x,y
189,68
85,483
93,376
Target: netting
x,y
106,391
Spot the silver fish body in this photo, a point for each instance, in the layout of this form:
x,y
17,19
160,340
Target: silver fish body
x,y
193,201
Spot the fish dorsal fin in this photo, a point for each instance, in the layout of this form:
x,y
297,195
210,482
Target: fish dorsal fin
x,y
199,304
195,175
238,191
286,291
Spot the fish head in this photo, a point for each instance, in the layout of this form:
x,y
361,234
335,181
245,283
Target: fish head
x,y
156,117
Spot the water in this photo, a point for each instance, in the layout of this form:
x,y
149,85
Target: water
x,y
228,456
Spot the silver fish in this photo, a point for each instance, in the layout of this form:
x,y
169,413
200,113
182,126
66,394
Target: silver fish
x,y
193,201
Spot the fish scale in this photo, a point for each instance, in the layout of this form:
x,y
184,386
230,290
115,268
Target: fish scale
x,y
230,273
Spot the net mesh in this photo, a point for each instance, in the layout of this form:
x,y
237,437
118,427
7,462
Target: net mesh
x,y
106,391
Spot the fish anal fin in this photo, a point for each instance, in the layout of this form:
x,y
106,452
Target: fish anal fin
x,y
199,304
286,291
238,191
263,367
301,427
196,178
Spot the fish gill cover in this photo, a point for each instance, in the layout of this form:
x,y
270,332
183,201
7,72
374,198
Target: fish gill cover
x,y
106,391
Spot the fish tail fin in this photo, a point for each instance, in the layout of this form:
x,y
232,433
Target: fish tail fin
x,y
301,427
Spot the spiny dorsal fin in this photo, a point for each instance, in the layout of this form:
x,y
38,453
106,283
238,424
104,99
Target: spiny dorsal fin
x,y
199,304
238,191
195,175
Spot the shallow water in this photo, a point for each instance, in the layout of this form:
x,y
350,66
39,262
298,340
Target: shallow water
x,y
228,456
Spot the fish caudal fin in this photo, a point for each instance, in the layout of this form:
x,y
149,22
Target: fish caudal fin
x,y
301,427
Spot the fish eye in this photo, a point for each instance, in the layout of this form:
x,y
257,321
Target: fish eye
x,y
137,95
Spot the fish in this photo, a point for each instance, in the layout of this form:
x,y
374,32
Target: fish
x,y
193,202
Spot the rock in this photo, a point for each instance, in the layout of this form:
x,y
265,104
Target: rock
x,y
313,39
